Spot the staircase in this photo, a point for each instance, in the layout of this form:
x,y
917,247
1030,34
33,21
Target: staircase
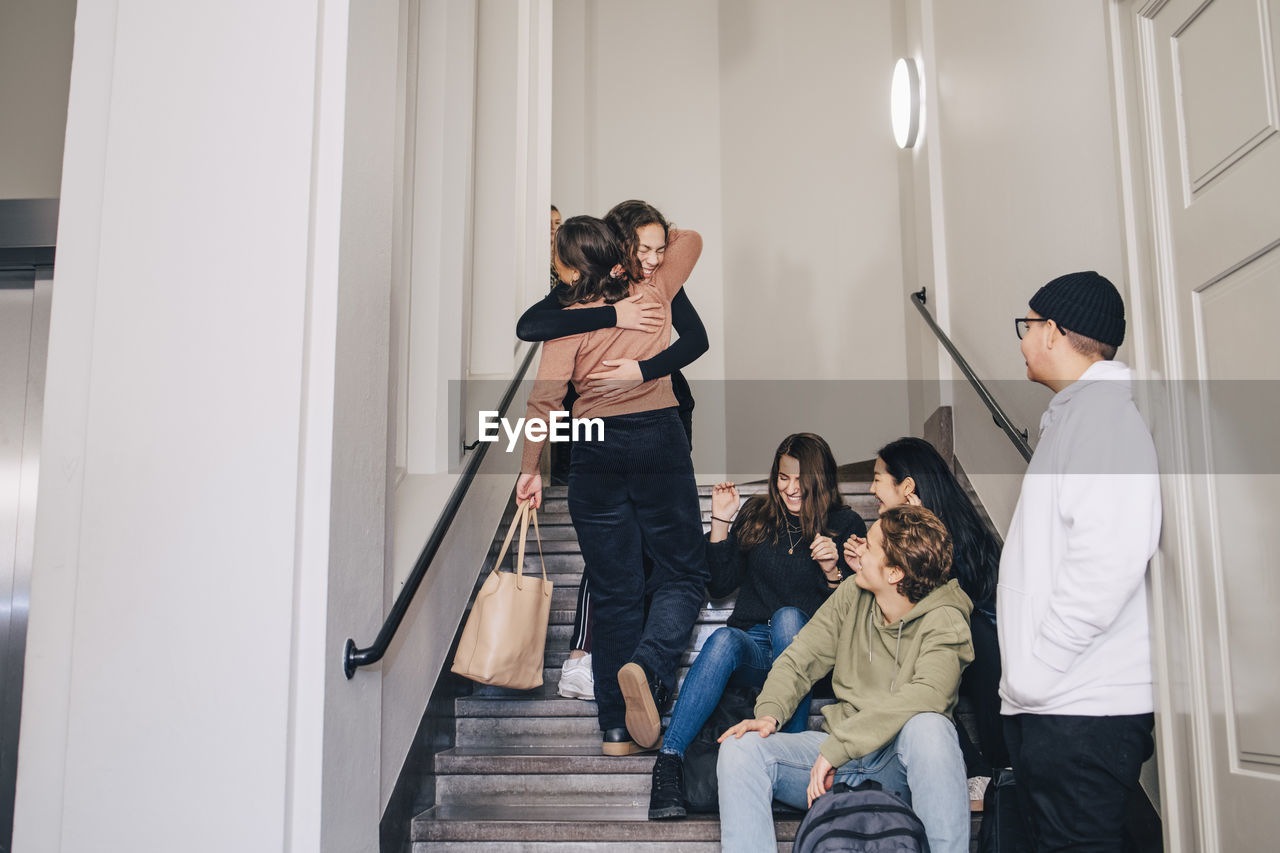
x,y
526,772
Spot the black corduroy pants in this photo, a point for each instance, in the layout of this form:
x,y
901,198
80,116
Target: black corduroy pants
x,y
634,490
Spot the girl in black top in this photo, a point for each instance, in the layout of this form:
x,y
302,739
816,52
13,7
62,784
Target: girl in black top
x,y
782,555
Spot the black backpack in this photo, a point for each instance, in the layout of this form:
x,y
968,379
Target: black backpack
x,y
700,784
1002,827
865,819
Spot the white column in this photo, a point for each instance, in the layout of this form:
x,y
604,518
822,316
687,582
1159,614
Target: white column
x,y
213,412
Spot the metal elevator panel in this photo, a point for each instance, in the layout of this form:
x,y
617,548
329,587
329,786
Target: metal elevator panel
x,y
26,296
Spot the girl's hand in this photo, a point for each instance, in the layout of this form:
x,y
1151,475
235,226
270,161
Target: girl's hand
x,y
824,553
623,375
637,316
529,487
821,777
724,500
764,725
913,499
852,547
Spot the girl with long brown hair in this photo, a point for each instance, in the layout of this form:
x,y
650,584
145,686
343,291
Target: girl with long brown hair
x,y
782,554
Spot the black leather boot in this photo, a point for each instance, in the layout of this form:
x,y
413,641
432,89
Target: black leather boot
x,y
666,794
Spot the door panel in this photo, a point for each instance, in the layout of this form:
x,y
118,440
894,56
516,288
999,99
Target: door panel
x,y
1220,131
1231,310
1208,79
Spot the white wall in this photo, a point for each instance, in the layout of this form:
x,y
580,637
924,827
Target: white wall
x,y
636,115
1019,165
477,221
437,229
349,806
813,268
209,527
35,73
765,127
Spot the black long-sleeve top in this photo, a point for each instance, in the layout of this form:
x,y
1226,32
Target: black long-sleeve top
x,y
545,321
768,578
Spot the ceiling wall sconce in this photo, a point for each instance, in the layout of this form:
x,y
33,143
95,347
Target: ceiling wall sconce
x,y
904,103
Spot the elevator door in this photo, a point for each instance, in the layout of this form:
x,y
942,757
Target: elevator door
x,y
25,297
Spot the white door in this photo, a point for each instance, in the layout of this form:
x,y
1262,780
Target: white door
x,y
1206,179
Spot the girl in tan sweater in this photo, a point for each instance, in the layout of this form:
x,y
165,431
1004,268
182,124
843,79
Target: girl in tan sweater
x,y
634,484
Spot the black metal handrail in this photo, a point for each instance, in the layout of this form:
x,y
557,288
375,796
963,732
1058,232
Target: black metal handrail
x,y
354,658
1017,436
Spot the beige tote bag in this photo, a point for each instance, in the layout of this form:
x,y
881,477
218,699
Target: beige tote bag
x,y
504,638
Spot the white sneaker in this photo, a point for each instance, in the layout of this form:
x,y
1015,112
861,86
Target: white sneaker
x,y
978,792
576,681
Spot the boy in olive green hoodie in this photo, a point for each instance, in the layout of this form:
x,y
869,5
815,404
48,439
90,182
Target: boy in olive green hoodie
x,y
895,641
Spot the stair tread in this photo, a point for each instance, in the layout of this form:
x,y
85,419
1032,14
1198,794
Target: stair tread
x,y
568,822
547,703
540,748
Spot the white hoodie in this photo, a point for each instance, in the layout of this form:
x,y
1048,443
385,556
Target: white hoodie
x,y
1071,602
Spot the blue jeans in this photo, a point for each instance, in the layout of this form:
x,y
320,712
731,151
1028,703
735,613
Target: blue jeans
x,y
632,492
923,765
741,656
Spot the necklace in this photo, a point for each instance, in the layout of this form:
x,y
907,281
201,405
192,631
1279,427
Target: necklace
x,y
791,543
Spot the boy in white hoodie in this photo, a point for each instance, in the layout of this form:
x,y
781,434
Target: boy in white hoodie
x,y
1076,688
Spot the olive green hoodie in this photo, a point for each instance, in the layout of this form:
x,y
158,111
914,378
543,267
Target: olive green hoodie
x,y
882,675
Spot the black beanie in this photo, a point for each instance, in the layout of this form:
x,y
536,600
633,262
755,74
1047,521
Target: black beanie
x,y
1085,303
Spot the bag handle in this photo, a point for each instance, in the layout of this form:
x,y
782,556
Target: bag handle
x,y
524,532
522,510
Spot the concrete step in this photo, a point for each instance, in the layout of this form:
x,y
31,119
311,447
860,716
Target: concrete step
x,y
559,636
550,678
571,826
564,597
714,612
527,773
556,657
555,512
467,706
566,583
549,760
551,704
521,789
858,485
516,732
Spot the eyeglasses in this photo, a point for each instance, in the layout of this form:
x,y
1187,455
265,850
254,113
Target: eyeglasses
x,y
1022,325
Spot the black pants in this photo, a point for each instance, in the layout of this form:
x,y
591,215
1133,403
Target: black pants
x,y
1075,775
634,491
582,618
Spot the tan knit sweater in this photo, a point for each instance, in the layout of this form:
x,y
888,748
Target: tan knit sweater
x,y
574,357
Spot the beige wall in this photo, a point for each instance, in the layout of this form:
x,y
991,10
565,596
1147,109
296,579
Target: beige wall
x,y
35,73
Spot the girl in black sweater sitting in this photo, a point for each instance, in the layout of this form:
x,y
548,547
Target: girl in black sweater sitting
x,y
782,555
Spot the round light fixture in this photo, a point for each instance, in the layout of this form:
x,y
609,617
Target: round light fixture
x,y
904,103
